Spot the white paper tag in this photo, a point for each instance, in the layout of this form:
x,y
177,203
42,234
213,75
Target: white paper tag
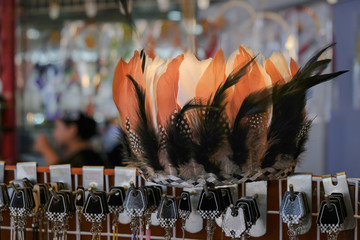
x,y
61,173
124,175
26,170
93,176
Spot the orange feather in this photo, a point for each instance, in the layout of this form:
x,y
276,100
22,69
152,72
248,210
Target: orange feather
x,y
167,89
123,91
253,81
294,68
242,87
213,76
274,74
118,85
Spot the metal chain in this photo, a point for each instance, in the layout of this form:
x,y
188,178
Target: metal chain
x,y
294,230
56,229
332,235
79,210
65,226
233,235
183,221
115,218
18,223
134,225
95,230
210,228
168,233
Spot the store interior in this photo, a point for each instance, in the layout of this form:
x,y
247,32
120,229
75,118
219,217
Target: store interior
x,y
65,53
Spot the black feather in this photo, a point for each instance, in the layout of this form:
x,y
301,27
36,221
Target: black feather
x,y
309,77
150,144
143,59
126,153
254,103
220,95
288,115
315,80
211,126
302,137
316,56
289,102
179,136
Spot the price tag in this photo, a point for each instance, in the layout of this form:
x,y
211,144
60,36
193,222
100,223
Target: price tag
x,y
93,176
124,175
26,170
61,173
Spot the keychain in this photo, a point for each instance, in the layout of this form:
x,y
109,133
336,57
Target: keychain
x,y
79,203
153,198
210,207
250,210
21,205
331,216
40,193
135,205
184,209
167,214
115,202
4,200
68,194
57,211
234,222
95,211
293,211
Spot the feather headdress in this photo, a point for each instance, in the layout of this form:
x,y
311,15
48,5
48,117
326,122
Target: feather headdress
x,y
189,121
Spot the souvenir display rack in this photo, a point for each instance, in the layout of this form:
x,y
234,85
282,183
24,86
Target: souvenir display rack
x,y
275,228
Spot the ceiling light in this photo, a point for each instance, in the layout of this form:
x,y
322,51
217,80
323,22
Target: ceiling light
x,y
163,5
203,4
174,16
54,9
85,81
90,8
32,34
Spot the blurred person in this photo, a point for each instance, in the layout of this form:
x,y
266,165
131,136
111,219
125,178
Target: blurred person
x,y
72,133
110,136
111,141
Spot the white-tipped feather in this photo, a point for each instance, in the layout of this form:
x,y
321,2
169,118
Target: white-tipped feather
x,y
151,73
230,62
190,71
153,88
279,62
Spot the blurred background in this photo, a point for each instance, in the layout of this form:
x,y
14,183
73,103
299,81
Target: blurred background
x,y
61,54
